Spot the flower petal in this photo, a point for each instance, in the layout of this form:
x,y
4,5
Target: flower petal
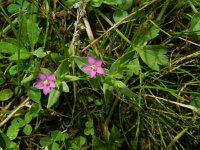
x,y
39,85
46,90
92,73
98,62
86,68
100,70
91,60
52,84
42,76
51,76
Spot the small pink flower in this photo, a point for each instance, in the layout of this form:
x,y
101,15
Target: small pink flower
x,y
93,66
45,83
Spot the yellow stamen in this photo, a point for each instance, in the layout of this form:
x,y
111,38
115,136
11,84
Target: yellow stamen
x,y
46,82
94,67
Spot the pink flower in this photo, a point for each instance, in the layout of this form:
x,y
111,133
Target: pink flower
x,y
93,66
45,83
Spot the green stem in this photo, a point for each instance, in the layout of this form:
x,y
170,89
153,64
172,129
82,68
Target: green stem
x,y
164,8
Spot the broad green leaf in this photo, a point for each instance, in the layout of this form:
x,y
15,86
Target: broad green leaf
x,y
89,124
28,117
119,14
35,109
56,57
4,141
63,68
96,3
28,79
9,47
89,131
55,146
80,61
56,135
39,52
107,91
142,37
53,97
13,8
6,94
133,67
65,87
45,141
126,4
18,122
27,129
153,55
14,69
99,144
24,54
69,78
195,23
115,140
33,32
34,94
12,132
113,2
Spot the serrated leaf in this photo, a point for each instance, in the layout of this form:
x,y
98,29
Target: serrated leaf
x,y
133,67
12,132
53,97
153,55
27,129
6,94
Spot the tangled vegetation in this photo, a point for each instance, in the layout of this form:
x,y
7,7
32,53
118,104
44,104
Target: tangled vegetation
x,y
99,74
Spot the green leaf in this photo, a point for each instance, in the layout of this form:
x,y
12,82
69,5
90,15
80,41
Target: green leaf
x,y
65,87
99,144
4,141
28,117
27,129
14,69
80,61
45,141
55,146
69,78
142,37
28,79
56,57
34,94
39,52
6,94
24,54
119,14
126,4
12,132
195,23
96,3
33,32
9,47
153,55
113,2
63,68
56,135
18,122
89,124
89,131
53,97
114,139
133,67
13,8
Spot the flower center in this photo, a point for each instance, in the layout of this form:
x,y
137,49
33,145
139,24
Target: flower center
x,y
94,67
46,82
